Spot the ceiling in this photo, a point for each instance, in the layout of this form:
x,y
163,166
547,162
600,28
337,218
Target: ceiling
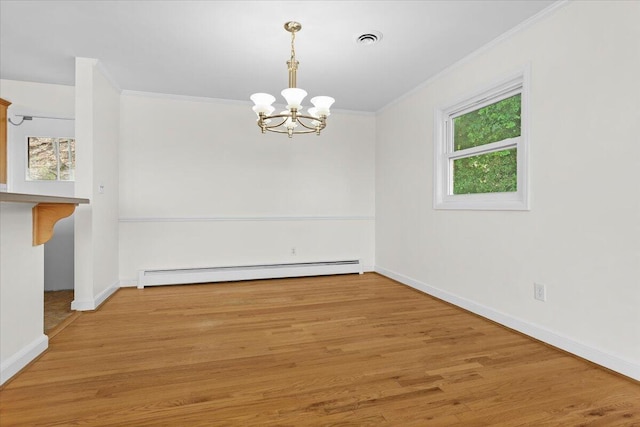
x,y
231,49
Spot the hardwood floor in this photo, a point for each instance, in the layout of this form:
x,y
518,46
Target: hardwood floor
x,y
57,308
329,351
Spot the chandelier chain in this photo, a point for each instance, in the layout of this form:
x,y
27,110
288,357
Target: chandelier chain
x,y
292,63
293,47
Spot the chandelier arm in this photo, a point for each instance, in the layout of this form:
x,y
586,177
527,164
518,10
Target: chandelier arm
x,y
277,116
294,132
313,128
268,127
304,116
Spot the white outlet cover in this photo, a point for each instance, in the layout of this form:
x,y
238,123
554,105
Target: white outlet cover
x,y
539,292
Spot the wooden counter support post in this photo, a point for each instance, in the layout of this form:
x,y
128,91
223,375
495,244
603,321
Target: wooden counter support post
x,y
45,216
4,104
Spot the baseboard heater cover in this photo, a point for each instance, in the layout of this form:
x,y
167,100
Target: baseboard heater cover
x,y
246,272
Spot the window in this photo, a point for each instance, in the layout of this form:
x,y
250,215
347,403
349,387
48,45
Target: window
x,y
51,159
481,150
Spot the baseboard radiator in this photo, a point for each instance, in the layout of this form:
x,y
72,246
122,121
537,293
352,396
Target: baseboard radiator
x,y
246,272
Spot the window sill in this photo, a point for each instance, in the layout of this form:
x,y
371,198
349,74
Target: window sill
x,y
483,202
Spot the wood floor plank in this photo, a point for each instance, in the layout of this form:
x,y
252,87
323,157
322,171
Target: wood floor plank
x,y
353,350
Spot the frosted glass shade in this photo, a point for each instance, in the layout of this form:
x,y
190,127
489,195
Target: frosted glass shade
x,y
263,103
289,124
313,112
294,97
322,104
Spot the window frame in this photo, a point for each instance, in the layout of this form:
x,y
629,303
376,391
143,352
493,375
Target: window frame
x,y
444,153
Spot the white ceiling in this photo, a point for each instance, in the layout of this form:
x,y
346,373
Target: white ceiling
x,y
231,49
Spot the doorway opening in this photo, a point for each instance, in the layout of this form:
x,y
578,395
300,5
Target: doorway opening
x,y
57,308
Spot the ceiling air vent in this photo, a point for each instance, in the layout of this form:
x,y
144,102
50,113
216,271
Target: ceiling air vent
x,y
370,38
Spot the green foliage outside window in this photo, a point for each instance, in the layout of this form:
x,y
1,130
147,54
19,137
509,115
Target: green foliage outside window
x,y
486,173
494,172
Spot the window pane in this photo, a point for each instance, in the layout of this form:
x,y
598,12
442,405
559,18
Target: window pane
x,y
67,150
494,172
43,164
489,124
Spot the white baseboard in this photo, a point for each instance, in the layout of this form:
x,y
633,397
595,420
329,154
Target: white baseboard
x,y
22,358
128,283
610,361
88,305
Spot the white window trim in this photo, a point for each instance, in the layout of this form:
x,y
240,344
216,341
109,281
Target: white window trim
x,y
443,197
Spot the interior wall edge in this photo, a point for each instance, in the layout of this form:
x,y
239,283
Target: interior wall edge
x,y
93,304
600,357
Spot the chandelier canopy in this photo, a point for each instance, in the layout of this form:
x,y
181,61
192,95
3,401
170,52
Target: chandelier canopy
x,y
291,121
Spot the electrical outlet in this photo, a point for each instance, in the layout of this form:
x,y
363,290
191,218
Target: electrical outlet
x,y
539,292
293,251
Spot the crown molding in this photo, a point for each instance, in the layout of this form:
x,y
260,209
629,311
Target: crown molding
x,y
548,11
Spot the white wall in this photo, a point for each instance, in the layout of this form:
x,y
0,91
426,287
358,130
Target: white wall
x,y
21,264
193,171
21,290
39,98
581,237
59,257
96,231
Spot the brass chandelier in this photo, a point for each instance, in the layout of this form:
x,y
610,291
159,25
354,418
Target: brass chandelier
x,y
291,121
